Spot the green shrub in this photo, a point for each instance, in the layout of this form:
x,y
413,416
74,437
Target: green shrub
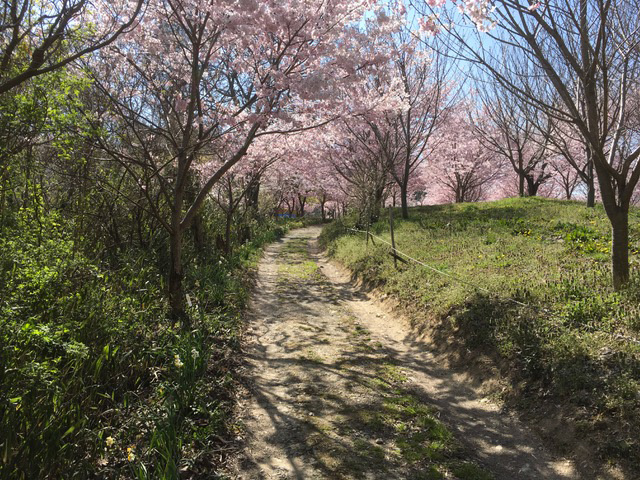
x,y
94,380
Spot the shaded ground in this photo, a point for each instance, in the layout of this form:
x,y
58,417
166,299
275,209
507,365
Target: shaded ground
x,y
339,389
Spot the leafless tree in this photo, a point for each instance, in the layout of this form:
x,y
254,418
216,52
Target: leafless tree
x,y
588,53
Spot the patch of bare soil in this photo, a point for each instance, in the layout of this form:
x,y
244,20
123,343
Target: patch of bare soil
x,y
338,387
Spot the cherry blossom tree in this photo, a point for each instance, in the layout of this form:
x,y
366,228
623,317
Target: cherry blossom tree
x,y
199,83
462,167
424,74
231,192
510,129
308,164
362,158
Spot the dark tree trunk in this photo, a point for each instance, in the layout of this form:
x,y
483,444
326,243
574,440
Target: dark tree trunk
x,y
178,311
568,191
227,233
197,226
620,249
532,186
618,214
302,200
323,201
253,194
197,229
404,202
377,203
591,186
591,195
521,184
176,289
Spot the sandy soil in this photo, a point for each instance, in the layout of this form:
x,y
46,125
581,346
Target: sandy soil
x,y
339,387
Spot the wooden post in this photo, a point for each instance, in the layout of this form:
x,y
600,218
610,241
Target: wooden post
x,y
367,235
393,240
368,215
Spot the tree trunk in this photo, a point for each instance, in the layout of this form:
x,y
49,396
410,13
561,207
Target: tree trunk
x,y
197,226
302,200
620,249
176,290
227,233
323,200
591,195
520,184
377,204
404,201
591,186
178,312
253,195
568,192
197,229
374,215
532,186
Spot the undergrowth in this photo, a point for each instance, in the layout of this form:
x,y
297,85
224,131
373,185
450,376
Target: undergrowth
x,y
572,351
95,381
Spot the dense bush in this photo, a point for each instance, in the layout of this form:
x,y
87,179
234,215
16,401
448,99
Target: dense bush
x,y
94,379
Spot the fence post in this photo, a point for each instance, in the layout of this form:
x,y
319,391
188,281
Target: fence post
x,y
368,214
393,240
367,235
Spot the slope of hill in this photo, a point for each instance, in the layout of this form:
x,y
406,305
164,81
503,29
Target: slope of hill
x,y
570,357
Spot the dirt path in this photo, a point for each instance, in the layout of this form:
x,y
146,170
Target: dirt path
x,y
337,389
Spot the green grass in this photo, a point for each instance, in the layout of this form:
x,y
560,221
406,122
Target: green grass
x,y
573,346
421,442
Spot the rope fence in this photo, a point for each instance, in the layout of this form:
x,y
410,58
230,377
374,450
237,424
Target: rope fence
x,y
399,253
405,258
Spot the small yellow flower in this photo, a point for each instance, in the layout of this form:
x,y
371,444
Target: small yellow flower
x,y
110,441
131,457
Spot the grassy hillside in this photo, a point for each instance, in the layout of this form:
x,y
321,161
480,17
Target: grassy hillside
x,y
572,354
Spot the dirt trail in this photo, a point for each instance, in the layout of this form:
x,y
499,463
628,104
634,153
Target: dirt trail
x,y
338,388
